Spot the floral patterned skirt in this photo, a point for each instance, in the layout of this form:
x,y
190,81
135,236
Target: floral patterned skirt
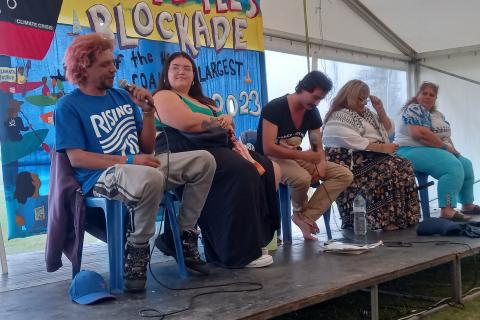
x,y
386,181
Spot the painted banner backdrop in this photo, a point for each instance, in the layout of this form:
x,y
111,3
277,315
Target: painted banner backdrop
x,y
224,36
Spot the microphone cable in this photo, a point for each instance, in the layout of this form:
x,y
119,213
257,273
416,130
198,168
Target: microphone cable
x,y
154,313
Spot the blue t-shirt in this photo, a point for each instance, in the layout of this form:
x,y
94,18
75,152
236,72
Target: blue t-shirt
x,y
106,124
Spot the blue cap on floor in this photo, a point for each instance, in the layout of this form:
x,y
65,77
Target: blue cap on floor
x,y
88,287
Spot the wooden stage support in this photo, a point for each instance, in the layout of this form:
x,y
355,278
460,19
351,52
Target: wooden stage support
x,y
301,276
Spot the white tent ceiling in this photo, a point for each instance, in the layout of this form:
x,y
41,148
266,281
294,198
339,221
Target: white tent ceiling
x,y
423,25
430,25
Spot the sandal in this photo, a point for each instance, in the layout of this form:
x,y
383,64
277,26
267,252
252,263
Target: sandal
x,y
474,211
458,217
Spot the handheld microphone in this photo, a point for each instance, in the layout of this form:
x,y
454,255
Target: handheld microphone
x,y
122,83
314,140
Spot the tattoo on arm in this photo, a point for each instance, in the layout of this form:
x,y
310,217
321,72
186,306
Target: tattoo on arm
x,y
210,123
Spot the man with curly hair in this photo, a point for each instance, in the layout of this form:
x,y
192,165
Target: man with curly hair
x,y
110,144
283,124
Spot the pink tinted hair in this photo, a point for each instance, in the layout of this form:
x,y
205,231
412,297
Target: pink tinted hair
x,y
82,53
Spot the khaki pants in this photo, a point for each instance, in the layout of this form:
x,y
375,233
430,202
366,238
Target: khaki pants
x,y
141,188
297,175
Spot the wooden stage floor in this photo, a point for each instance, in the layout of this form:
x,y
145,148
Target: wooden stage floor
x,y
301,276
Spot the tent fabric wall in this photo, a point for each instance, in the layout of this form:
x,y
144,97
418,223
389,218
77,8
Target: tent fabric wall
x,y
289,43
465,65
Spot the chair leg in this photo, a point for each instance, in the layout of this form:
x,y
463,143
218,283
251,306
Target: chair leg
x,y
285,211
176,235
326,220
115,241
279,230
424,199
76,269
3,255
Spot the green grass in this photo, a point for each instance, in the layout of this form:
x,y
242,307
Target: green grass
x,y
470,311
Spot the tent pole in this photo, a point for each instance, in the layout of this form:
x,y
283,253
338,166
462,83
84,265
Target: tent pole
x,y
307,39
450,74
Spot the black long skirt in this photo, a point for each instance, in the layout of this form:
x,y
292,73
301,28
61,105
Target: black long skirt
x,y
241,212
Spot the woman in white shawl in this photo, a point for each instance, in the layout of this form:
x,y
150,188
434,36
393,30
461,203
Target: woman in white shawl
x,y
359,138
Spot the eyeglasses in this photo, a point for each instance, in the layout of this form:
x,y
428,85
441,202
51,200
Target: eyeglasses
x,y
176,68
363,100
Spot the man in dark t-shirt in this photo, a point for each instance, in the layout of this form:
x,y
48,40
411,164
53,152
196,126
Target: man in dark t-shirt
x,y
281,129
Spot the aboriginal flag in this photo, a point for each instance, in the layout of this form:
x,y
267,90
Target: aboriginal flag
x,y
27,27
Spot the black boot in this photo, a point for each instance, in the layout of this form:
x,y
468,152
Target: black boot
x,y
166,245
135,272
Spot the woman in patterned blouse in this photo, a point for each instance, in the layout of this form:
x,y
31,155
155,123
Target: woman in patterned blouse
x,y
358,137
424,137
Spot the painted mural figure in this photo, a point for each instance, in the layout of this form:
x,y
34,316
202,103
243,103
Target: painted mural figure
x,y
31,212
45,88
14,124
21,78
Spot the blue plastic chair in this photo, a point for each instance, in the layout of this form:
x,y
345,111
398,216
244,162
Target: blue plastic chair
x,y
422,179
115,213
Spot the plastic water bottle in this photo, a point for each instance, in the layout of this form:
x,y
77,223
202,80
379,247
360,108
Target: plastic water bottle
x,y
359,215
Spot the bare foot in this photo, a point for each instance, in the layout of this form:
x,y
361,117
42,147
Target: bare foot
x,y
304,226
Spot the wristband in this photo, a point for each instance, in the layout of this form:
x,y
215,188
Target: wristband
x,y
130,159
444,147
147,114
